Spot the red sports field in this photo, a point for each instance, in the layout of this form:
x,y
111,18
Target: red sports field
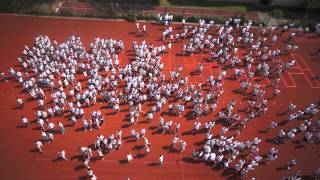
x,y
18,161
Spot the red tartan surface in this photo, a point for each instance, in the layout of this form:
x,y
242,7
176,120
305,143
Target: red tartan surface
x,y
19,162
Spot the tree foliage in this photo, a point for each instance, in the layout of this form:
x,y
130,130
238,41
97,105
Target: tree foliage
x,y
311,4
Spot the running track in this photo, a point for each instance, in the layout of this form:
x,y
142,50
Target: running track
x,y
18,162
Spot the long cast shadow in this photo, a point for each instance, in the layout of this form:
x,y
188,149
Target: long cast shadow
x,y
190,160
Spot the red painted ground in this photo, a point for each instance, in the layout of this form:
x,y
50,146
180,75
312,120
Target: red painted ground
x,y
17,162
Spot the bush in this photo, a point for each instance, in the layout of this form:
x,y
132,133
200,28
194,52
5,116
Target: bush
x,y
258,23
243,19
144,2
207,19
132,16
141,17
218,20
276,13
177,18
25,6
42,9
311,4
150,17
192,19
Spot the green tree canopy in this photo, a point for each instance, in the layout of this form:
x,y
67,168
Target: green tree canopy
x,y
311,4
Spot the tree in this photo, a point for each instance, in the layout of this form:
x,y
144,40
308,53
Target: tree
x,y
311,4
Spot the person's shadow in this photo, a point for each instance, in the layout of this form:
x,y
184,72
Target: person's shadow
x,y
57,159
123,161
154,164
35,150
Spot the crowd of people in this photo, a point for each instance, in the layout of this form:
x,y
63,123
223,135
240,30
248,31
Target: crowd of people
x,y
309,128
53,74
